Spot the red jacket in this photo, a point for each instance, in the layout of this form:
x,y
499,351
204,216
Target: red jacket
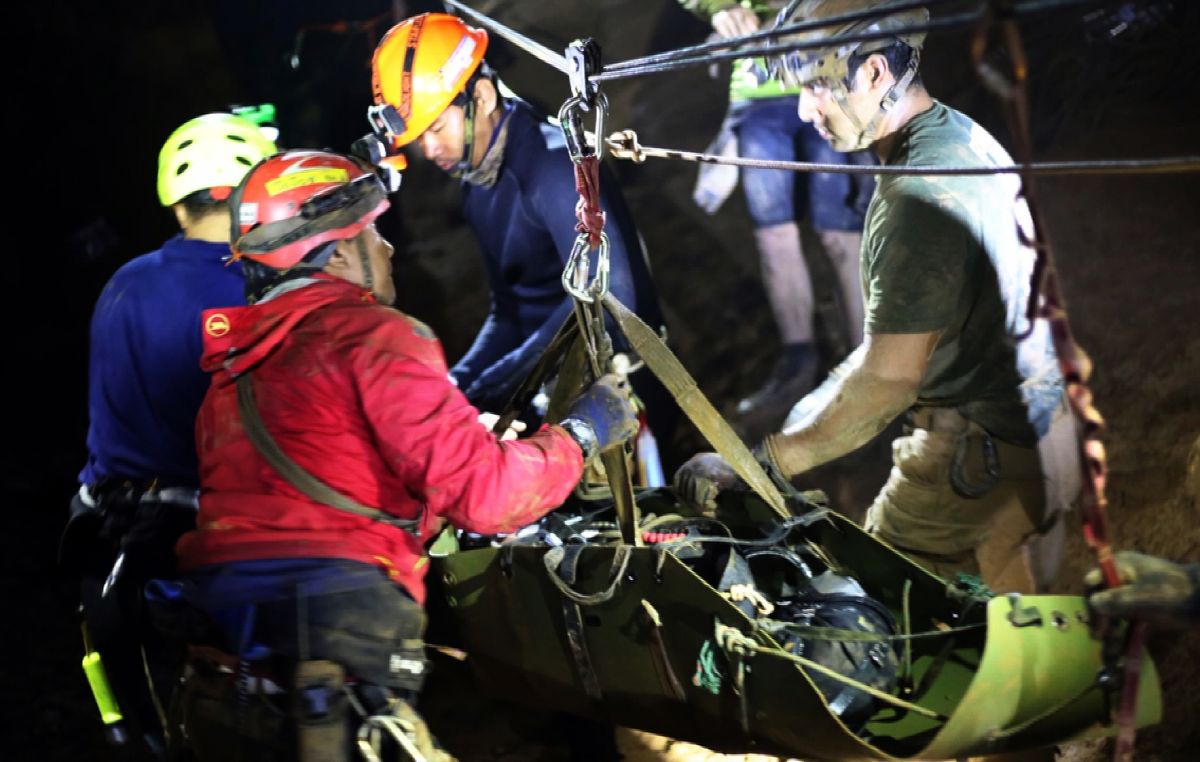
x,y
358,395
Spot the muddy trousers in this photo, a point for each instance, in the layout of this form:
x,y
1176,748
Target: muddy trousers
x,y
313,626
923,512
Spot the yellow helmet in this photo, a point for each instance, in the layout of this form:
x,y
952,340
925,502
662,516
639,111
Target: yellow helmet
x,y
211,152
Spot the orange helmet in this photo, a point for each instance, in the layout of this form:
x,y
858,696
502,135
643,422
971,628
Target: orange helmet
x,y
419,68
291,203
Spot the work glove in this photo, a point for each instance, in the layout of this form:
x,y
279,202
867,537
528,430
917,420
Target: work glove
x,y
1154,588
703,477
602,417
707,474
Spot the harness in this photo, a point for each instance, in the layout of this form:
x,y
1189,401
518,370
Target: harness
x,y
296,475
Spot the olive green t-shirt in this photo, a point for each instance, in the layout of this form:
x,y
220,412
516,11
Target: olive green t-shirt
x,y
944,253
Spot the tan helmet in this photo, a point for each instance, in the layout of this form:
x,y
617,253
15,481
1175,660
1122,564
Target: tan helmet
x,y
831,65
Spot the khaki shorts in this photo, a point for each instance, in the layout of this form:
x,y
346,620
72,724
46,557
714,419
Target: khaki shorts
x,y
922,513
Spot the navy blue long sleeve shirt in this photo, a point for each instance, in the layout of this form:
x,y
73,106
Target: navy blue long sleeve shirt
x,y
145,385
525,225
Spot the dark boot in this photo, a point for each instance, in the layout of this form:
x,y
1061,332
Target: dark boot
x,y
794,375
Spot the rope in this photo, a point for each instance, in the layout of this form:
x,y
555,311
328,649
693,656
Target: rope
x,y
1013,96
590,217
532,47
957,21
738,593
625,145
773,33
733,641
635,68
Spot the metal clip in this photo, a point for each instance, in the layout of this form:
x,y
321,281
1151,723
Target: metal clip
x,y
1022,616
575,274
570,120
583,60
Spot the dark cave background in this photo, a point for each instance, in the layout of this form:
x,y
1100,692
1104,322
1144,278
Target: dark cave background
x,y
101,85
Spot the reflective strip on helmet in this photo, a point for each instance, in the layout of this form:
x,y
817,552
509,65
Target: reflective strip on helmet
x,y
314,176
458,63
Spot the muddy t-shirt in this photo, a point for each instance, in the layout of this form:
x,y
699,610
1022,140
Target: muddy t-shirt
x,y
944,253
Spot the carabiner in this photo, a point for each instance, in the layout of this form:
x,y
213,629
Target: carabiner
x,y
570,120
575,274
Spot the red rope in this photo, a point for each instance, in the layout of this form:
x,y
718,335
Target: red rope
x,y
587,211
1094,504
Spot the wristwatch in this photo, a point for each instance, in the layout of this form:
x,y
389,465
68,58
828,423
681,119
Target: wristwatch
x,y
583,434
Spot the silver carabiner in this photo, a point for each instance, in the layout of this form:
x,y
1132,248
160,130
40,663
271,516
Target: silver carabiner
x,y
570,121
575,275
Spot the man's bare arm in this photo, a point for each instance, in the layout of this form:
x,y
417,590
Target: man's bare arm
x,y
875,384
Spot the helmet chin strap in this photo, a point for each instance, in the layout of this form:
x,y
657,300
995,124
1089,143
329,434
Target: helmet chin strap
x,y
365,258
867,132
464,164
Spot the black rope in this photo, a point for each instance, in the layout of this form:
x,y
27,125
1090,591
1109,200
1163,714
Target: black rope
x,y
958,21
1164,165
632,68
774,32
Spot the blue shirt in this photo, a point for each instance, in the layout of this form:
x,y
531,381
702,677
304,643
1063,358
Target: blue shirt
x,y
145,385
525,225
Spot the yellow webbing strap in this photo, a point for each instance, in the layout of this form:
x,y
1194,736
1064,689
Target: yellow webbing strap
x,y
663,363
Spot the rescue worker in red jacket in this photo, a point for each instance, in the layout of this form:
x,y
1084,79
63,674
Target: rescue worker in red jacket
x,y
357,398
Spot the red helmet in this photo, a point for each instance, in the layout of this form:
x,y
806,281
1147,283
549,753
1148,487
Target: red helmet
x,y
292,202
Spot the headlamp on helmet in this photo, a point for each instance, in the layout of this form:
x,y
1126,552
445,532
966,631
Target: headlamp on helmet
x,y
293,202
830,66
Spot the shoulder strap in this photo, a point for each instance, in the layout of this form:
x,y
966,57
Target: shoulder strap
x,y
295,473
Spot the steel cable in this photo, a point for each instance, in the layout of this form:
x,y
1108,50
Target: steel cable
x,y
623,145
772,33
671,60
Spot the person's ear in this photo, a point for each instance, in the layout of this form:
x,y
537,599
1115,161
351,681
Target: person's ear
x,y
486,98
875,71
340,261
181,215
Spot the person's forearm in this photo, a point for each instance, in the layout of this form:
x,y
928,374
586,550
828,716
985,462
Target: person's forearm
x,y
843,414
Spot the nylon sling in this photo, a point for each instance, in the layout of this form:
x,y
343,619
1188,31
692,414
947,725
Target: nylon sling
x,y
295,474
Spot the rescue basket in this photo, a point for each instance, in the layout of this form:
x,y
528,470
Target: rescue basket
x,y
641,636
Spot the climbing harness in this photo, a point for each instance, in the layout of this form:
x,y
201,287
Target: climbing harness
x,y
296,475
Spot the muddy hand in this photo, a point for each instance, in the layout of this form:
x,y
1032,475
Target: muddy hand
x,y
1154,588
602,417
702,478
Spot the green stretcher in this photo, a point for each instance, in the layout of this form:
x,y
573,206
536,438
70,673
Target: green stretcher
x,y
985,674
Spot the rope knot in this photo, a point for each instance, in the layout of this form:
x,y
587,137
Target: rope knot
x,y
587,210
625,145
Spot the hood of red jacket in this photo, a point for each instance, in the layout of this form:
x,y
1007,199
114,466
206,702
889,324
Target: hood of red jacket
x,y
238,338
